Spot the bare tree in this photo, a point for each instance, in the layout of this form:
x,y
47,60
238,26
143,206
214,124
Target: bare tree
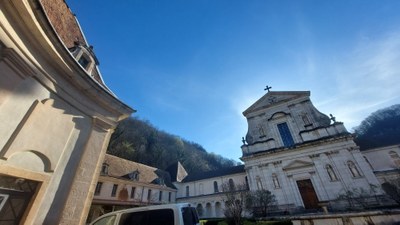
x,y
235,202
359,197
392,188
260,202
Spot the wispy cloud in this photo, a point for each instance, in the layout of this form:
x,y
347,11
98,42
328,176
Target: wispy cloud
x,y
367,79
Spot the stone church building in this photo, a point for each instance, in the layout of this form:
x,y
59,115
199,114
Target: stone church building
x,y
305,158
301,155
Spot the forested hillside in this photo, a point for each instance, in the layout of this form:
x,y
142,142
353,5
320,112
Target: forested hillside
x,y
381,128
140,141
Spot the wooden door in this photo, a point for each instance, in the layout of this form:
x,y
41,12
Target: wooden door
x,y
308,194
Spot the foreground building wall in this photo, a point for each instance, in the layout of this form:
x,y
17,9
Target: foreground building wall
x,y
57,115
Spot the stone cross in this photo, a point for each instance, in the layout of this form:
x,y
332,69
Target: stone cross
x,y
333,118
267,88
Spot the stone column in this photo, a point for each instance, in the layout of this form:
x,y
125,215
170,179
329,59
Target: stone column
x,y
82,190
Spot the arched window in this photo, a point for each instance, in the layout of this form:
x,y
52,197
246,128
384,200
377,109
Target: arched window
x,y
276,181
208,210
395,158
187,191
199,209
259,183
353,169
231,185
216,187
218,209
331,172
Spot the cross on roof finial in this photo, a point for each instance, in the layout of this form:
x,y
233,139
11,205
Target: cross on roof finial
x,y
267,88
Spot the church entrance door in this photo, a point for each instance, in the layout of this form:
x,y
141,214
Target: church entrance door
x,y
308,194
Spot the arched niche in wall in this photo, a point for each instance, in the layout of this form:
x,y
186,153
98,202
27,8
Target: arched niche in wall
x,y
278,115
30,160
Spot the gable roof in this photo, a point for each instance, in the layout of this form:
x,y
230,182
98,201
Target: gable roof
x,y
121,168
274,98
215,173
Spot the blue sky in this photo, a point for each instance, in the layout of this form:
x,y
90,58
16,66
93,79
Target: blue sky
x,y
192,67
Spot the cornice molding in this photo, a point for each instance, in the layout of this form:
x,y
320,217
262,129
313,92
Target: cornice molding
x,y
11,58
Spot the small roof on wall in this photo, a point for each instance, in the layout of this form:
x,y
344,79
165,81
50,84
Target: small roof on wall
x,y
215,173
120,168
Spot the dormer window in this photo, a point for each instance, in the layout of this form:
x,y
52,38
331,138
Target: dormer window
x,y
159,181
134,175
84,56
84,61
104,169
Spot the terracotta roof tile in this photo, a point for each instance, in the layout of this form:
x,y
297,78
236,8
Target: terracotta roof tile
x,y
119,167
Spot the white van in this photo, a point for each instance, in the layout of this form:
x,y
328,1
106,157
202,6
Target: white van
x,y
170,214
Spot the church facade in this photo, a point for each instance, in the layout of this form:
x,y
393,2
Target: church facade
x,y
305,158
302,156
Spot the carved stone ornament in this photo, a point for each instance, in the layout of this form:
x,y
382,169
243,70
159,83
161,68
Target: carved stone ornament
x,y
249,139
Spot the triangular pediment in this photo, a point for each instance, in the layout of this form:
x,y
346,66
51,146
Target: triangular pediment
x,y
274,98
296,164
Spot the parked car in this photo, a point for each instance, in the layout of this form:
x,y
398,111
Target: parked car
x,y
169,214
